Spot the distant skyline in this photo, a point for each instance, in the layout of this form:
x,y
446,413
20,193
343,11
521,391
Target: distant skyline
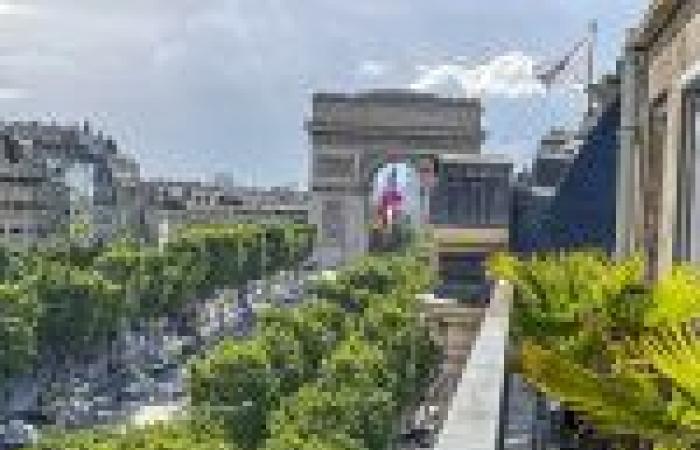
x,y
193,88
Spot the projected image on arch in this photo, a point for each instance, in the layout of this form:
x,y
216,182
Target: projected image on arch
x,y
395,207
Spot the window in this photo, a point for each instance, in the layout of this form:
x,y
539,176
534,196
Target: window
x,y
685,242
12,149
684,181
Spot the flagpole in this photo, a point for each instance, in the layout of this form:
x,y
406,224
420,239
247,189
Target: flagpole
x,y
592,35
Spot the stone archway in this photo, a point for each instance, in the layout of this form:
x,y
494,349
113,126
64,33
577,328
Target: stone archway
x,y
352,135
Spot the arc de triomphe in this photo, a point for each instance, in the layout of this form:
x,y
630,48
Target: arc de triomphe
x,y
351,136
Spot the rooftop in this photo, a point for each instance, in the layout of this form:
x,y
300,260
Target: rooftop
x,y
394,96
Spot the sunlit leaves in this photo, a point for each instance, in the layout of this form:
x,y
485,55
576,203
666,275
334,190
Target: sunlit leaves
x,y
179,435
595,335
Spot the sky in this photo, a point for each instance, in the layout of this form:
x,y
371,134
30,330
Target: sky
x,y
192,88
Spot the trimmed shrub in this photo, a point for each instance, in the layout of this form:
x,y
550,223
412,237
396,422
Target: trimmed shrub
x,y
154,282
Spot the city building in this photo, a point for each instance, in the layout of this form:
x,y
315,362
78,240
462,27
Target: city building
x,y
53,175
658,189
534,188
573,205
470,207
555,155
171,204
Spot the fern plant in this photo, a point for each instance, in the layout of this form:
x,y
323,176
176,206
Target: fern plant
x,y
591,333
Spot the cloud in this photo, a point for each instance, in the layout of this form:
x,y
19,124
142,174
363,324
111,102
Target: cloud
x,y
14,8
12,93
167,52
510,75
372,69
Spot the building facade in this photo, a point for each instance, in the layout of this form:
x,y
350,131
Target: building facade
x,y
40,193
658,202
469,218
171,204
574,205
555,155
54,177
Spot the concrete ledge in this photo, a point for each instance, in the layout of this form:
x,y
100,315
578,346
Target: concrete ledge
x,y
473,420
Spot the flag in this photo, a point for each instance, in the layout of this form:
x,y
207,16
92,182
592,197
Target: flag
x,y
549,76
390,201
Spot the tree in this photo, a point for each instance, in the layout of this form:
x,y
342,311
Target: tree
x,y
19,317
240,382
79,308
294,440
316,325
318,413
321,375
178,435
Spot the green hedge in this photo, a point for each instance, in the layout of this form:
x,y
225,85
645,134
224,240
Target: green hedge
x,y
154,282
235,254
